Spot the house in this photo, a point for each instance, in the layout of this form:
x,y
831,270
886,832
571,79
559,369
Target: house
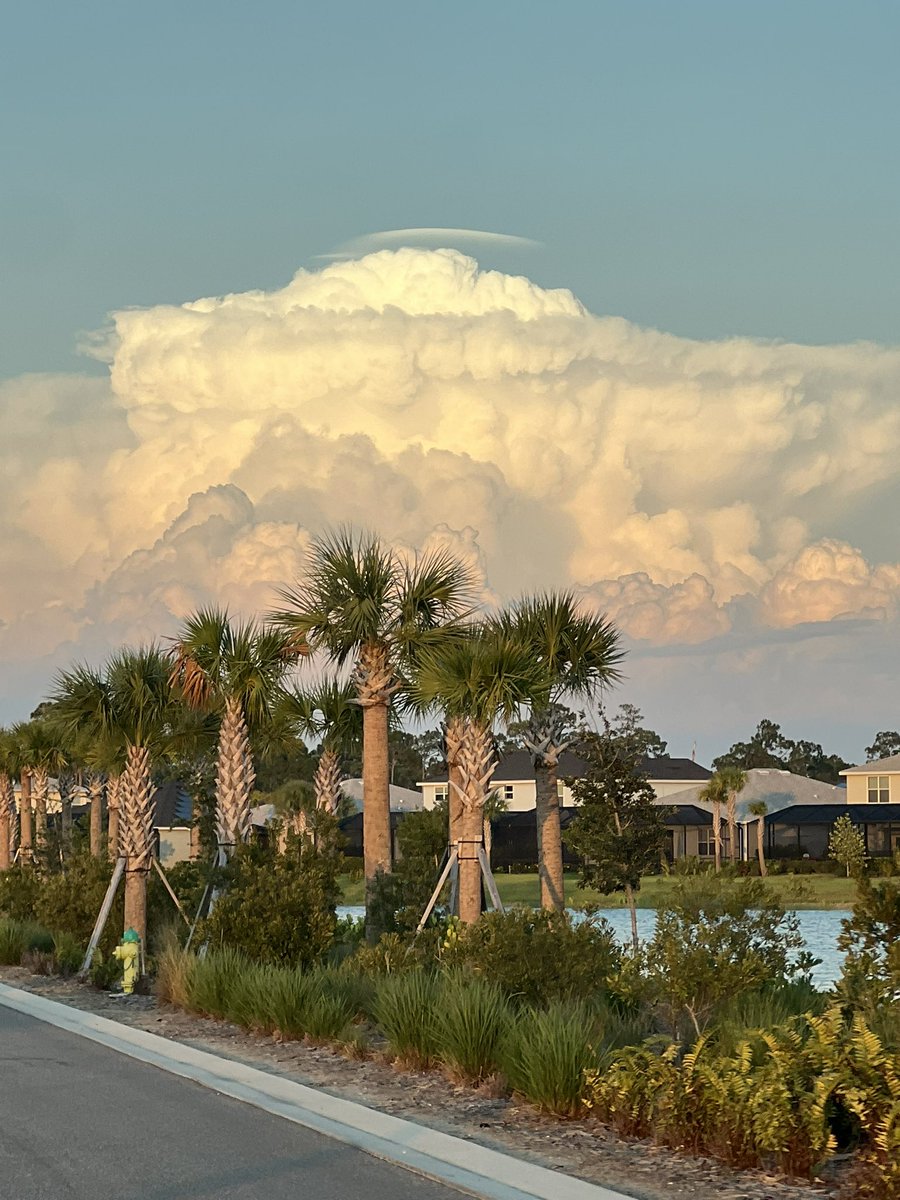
x,y
173,823
874,783
779,790
514,782
689,828
803,831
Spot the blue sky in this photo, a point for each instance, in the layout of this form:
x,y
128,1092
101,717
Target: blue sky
x,y
704,168
712,170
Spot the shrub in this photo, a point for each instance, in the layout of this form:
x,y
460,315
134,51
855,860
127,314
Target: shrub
x,y
871,938
13,942
276,908
714,940
19,888
69,900
545,1054
68,954
405,1010
537,956
471,1016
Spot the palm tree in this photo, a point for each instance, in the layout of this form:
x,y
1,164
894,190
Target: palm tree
x,y
235,671
42,753
758,809
715,793
331,714
577,653
361,603
7,797
477,679
734,781
130,704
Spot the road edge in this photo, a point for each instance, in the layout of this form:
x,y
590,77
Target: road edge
x,y
451,1160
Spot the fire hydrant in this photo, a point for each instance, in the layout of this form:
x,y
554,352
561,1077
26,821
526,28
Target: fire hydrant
x,y
128,952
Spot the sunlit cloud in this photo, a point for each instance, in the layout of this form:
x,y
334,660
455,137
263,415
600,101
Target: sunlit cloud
x,y
698,492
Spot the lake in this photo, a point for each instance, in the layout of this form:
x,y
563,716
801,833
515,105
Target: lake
x,y
819,927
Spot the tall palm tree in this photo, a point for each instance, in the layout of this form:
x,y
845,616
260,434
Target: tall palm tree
x,y
130,704
330,714
361,603
233,670
478,679
758,809
578,654
42,752
734,780
7,797
716,793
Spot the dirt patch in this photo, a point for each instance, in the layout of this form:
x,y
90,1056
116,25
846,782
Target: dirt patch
x,y
581,1148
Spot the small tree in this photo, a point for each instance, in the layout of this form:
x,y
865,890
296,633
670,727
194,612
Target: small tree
x,y
619,830
758,809
734,780
847,846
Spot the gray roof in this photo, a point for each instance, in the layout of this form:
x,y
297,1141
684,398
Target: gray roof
x,y
779,790
172,806
881,766
518,767
827,814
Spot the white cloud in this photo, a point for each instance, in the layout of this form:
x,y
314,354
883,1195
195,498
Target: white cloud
x,y
436,237
683,484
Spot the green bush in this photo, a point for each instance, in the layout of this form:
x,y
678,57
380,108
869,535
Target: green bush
x,y
70,899
405,1009
276,908
537,956
545,1054
19,888
471,1016
68,954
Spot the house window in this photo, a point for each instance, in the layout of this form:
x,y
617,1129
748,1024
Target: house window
x,y
879,789
705,844
440,793
509,792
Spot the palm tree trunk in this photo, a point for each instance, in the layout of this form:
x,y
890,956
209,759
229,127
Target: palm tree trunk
x,y
113,795
376,804
327,782
234,779
454,731
136,830
760,821
717,834
549,835
40,785
96,790
488,837
26,841
65,814
6,799
731,811
476,764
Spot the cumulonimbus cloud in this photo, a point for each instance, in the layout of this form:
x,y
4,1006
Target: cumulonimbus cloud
x,y
676,482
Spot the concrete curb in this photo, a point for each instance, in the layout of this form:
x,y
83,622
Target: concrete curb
x,y
440,1156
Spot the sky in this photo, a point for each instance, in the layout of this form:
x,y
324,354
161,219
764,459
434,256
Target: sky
x,y
669,379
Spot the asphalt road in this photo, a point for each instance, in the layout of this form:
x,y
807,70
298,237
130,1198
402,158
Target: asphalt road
x,y
81,1122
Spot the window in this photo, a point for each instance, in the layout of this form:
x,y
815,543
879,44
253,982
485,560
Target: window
x,y
705,845
509,793
440,793
879,789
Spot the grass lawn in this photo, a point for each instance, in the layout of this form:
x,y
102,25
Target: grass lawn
x,y
795,891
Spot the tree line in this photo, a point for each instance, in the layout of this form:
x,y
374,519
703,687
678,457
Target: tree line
x,y
392,637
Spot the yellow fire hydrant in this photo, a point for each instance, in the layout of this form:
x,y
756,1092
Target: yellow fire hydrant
x,y
128,952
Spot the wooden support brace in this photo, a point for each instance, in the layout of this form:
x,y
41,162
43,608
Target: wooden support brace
x,y
102,917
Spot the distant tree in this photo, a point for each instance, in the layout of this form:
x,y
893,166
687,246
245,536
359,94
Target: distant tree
x,y
847,846
619,830
628,720
758,809
885,745
716,793
768,747
735,780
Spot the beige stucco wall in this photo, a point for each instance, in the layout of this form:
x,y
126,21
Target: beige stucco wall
x,y
174,846
858,789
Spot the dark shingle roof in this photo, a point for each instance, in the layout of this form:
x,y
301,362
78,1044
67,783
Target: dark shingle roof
x,y
518,766
688,814
171,806
827,814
